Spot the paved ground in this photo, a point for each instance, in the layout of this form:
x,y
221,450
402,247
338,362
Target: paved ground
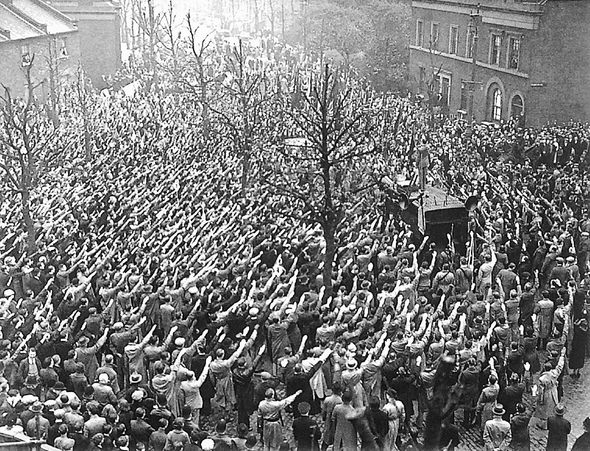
x,y
577,401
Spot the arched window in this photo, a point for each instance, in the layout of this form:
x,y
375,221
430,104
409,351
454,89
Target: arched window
x,y
516,106
495,102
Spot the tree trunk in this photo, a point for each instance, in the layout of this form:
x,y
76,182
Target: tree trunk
x,y
245,171
25,199
87,143
330,237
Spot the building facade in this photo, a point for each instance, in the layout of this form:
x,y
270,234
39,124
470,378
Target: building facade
x,y
99,30
496,59
36,37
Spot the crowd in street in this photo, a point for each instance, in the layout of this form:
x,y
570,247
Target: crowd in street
x,y
165,308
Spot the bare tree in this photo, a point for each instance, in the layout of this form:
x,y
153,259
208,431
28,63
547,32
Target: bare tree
x,y
85,102
52,58
24,134
199,81
325,174
171,39
245,94
149,25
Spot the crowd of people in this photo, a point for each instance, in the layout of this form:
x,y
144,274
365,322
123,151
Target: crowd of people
x,y
165,308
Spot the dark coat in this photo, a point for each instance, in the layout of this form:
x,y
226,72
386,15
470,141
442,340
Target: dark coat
x,y
512,396
519,426
582,443
306,434
558,428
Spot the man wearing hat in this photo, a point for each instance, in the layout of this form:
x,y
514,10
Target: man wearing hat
x,y
37,426
87,355
496,432
558,429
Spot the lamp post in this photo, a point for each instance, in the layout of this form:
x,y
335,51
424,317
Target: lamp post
x,y
473,28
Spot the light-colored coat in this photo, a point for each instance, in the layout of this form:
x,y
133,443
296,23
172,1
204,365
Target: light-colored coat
x,y
345,438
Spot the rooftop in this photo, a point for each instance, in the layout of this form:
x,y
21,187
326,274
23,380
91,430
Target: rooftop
x,y
23,19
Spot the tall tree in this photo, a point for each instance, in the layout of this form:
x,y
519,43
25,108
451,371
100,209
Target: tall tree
x,y
24,133
325,172
199,74
245,92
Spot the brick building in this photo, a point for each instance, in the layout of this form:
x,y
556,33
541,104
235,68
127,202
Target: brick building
x,y
31,30
99,29
515,57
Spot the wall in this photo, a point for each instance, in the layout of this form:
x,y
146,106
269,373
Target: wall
x,y
11,70
100,44
561,63
459,66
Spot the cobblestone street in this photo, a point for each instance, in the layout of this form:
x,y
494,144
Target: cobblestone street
x,y
577,401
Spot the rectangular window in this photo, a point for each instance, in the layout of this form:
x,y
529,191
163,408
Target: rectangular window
x,y
513,53
434,36
453,39
422,76
25,52
444,88
464,96
495,44
62,49
420,33
469,43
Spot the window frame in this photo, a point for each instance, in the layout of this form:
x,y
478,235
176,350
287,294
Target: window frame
x,y
440,78
493,37
496,108
434,43
470,38
521,106
419,36
455,50
509,52
464,95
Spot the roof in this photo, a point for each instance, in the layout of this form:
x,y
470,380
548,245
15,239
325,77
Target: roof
x,y
75,7
23,19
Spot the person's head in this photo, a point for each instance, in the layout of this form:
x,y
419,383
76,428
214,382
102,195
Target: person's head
x,y
139,412
242,430
63,429
559,410
498,410
374,403
97,439
178,424
122,441
304,408
347,397
269,393
93,407
221,426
